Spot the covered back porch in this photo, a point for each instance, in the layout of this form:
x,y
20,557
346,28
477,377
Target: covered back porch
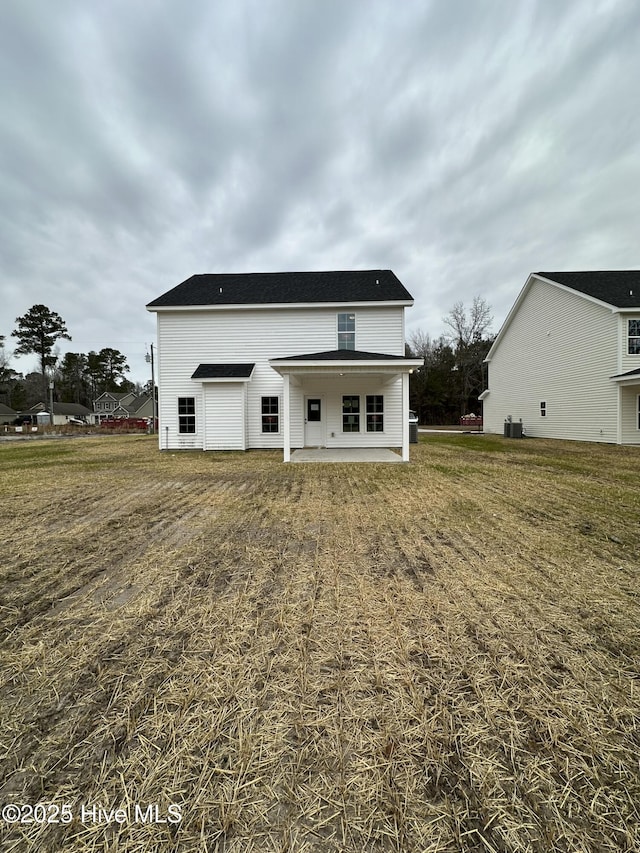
x,y
345,399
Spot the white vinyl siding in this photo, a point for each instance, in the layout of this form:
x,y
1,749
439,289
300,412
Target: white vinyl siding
x,y
332,390
630,414
224,416
561,349
189,338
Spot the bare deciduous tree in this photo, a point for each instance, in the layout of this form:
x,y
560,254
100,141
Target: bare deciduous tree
x,y
468,328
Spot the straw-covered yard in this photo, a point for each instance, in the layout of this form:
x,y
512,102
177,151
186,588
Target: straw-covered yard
x,y
440,656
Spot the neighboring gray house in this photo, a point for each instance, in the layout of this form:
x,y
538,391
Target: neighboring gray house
x,y
284,360
112,404
122,405
140,407
567,358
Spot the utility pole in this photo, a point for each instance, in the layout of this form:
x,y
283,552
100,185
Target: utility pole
x,y
153,390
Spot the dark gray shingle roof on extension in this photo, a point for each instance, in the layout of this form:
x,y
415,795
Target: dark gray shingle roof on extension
x,y
620,288
285,288
223,371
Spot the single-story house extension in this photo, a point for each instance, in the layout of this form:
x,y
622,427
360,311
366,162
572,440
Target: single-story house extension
x,y
567,359
284,360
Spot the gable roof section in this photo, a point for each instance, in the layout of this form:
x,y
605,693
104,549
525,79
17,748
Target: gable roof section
x,y
620,288
138,402
613,289
114,395
285,288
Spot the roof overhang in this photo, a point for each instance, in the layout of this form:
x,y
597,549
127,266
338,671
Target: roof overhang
x,y
336,363
631,377
280,306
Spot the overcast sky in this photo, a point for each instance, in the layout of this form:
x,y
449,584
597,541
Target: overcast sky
x,y
460,143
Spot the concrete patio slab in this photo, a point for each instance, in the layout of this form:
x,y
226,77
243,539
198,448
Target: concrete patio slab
x,y
345,454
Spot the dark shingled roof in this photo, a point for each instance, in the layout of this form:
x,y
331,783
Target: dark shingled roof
x,y
223,371
635,372
620,288
70,409
285,287
342,355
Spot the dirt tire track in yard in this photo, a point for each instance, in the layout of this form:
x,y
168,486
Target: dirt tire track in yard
x,y
327,658
99,544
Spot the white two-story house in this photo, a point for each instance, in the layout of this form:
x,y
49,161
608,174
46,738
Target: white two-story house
x,y
284,360
567,359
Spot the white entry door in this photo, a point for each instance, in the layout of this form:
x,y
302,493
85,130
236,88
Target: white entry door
x,y
314,422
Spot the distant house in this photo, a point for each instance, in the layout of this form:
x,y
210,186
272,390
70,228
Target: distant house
x,y
7,414
140,407
122,405
112,404
284,360
62,413
567,358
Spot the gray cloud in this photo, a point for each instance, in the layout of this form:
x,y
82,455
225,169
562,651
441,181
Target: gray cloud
x,y
461,144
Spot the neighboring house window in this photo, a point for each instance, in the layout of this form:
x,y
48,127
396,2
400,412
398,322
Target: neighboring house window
x,y
270,419
375,413
350,413
346,331
186,414
634,337
543,409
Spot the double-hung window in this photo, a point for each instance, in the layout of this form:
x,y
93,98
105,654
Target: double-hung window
x,y
186,414
350,413
375,413
270,415
634,337
346,331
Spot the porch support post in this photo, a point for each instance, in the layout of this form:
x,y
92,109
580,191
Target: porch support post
x,y
286,414
405,417
619,413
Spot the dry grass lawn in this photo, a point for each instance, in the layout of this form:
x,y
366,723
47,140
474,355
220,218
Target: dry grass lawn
x,y
442,656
